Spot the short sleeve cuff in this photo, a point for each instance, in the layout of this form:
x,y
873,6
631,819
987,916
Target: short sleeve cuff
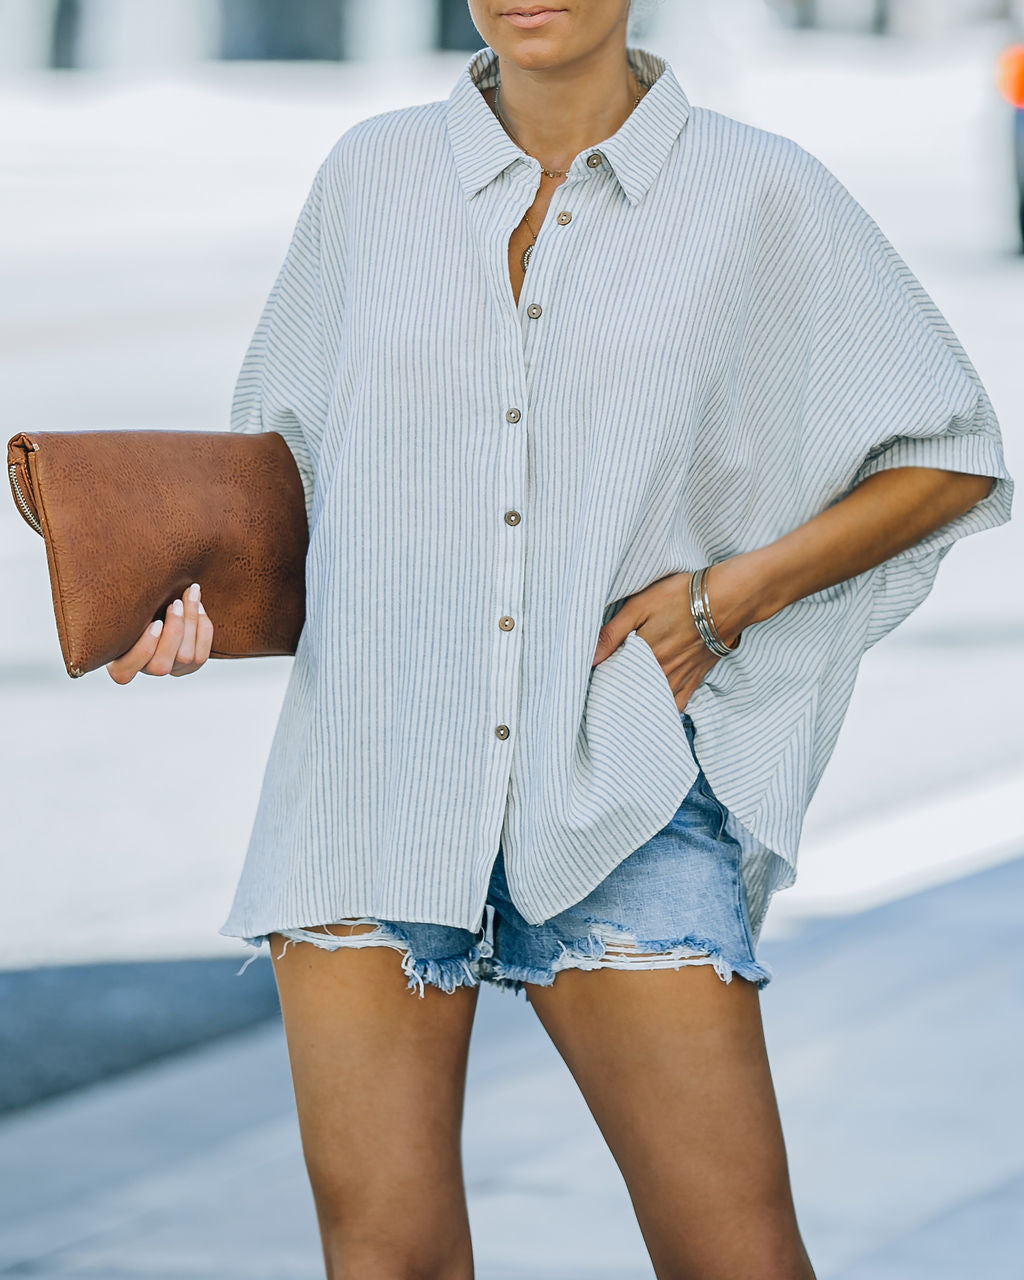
x,y
975,453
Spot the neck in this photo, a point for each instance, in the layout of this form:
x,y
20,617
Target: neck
x,y
555,113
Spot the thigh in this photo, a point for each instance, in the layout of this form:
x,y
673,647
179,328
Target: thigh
x,y
649,987
379,1076
673,1066
679,899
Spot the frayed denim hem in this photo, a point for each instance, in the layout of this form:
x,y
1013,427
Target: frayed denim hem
x,y
256,942
447,973
609,945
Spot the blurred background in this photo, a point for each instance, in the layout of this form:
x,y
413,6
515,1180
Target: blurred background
x,y
154,155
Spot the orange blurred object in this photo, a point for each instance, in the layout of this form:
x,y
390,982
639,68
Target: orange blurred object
x,y
1010,74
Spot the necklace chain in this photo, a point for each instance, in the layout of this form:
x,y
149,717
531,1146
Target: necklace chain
x,y
551,173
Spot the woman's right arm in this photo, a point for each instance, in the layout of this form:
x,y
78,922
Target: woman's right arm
x,y
176,646
284,386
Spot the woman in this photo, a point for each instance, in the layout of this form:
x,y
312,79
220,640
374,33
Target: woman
x,y
544,352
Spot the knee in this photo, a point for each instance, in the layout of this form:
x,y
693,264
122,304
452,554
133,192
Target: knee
x,y
767,1258
349,1265
391,1255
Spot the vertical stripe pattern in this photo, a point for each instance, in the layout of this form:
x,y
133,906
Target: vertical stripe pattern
x,y
715,346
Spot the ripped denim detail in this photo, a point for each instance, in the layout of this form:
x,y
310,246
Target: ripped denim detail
x,y
256,942
611,946
447,973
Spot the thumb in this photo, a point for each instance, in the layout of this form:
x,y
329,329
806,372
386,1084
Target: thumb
x,y
611,636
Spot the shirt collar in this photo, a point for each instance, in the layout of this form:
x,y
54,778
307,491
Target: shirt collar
x,y
636,152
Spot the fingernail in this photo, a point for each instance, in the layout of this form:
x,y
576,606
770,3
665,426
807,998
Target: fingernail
x,y
201,609
193,591
177,607
157,627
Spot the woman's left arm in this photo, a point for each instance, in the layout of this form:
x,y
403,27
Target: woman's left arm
x,y
884,515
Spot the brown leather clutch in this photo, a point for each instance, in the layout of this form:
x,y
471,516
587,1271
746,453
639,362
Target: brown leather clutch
x,y
131,518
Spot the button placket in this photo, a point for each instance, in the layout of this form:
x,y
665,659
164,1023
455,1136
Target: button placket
x,y
510,572
569,191
509,657
505,574
510,586
533,311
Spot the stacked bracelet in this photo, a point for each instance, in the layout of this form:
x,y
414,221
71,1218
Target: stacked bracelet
x,y
700,607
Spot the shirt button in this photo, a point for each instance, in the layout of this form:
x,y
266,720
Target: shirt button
x,y
564,217
502,730
512,517
533,310
506,623
512,415
594,159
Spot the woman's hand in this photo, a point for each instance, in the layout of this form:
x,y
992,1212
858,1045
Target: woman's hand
x,y
176,646
661,615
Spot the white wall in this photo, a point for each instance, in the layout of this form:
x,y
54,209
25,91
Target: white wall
x,y
125,33
25,27
926,16
908,17
376,29
154,33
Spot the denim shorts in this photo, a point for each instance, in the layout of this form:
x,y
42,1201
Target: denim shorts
x,y
677,899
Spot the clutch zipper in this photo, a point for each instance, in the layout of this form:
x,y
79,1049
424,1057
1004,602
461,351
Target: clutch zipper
x,y
21,500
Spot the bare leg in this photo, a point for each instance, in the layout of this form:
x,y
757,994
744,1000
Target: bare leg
x,y
379,1075
674,1069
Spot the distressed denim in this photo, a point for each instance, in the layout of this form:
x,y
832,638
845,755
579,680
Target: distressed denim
x,y
678,899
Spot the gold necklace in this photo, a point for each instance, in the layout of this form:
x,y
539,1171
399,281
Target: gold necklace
x,y
551,173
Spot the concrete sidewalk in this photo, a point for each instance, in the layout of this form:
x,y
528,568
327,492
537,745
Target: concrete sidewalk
x,y
897,1043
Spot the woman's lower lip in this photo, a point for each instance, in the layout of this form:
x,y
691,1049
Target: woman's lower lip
x,y
532,19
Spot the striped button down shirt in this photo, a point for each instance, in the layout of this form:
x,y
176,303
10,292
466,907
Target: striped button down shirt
x,y
717,345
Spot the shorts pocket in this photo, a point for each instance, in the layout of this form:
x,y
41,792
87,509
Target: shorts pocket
x,y
723,813
702,785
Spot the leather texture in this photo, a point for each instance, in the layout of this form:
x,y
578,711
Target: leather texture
x,y
131,518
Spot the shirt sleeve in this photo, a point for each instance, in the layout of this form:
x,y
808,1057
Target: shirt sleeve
x,y
888,384
284,382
